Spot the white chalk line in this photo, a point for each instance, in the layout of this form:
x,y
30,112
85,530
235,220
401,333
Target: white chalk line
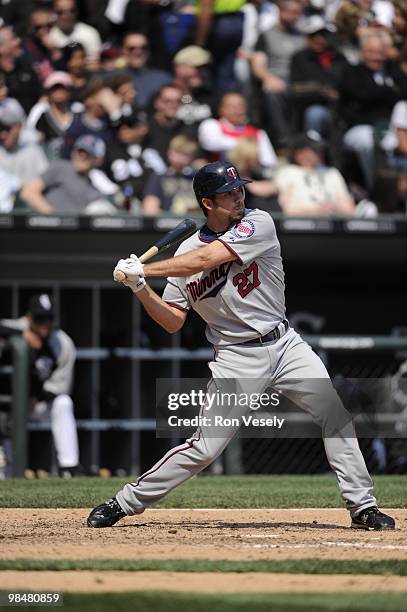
x,y
259,535
325,544
359,545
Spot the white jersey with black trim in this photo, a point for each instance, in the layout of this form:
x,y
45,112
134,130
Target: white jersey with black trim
x,y
242,299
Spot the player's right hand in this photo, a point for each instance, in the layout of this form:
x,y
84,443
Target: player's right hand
x,y
135,286
133,269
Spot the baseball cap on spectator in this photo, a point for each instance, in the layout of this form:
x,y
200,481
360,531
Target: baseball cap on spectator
x,y
315,24
41,308
110,52
58,78
91,144
193,55
311,140
11,114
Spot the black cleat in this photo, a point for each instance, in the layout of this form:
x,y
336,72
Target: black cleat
x,y
106,515
372,519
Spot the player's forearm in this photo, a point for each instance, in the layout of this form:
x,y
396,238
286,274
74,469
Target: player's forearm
x,y
168,317
182,265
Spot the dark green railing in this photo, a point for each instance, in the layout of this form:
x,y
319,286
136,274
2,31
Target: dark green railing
x,y
19,404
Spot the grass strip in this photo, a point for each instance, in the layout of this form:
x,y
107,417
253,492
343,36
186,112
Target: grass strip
x,y
201,492
161,601
292,566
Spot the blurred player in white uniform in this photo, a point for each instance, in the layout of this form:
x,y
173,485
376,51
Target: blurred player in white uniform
x,y
52,357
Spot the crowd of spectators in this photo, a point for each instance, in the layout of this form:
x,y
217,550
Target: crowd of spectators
x,y
111,106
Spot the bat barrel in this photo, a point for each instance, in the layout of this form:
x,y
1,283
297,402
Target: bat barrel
x,y
186,227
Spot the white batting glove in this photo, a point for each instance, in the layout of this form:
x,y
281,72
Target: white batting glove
x,y
135,286
138,262
133,270
131,267
141,283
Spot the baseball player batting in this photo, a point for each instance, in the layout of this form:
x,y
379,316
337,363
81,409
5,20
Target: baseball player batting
x,y
230,272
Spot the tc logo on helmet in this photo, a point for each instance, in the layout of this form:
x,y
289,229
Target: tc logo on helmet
x,y
232,172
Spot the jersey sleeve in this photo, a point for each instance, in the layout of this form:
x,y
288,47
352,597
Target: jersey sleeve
x,y
61,379
175,295
399,117
253,236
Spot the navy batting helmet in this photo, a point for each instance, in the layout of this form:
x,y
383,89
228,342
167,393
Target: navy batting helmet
x,y
218,177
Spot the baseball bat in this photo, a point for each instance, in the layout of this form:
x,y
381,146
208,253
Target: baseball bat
x,y
182,230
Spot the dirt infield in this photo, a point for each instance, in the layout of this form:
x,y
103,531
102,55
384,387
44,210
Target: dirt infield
x,y
198,534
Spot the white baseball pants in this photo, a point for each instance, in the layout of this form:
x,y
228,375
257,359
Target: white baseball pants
x,y
63,427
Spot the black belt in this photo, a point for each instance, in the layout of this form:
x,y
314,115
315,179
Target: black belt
x,y
274,334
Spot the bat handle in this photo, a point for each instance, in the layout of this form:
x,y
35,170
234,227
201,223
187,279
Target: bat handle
x,y
120,276
148,254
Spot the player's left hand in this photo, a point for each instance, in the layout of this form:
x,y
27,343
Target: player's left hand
x,y
134,273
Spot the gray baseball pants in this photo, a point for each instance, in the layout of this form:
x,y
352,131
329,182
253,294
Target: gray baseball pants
x,y
287,363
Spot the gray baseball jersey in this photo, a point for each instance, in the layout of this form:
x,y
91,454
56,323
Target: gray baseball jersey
x,y
242,299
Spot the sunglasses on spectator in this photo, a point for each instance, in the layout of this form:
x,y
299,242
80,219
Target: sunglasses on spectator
x,y
59,86
171,100
42,26
136,48
83,154
66,11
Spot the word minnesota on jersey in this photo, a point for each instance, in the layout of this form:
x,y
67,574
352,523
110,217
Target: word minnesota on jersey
x,y
221,421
